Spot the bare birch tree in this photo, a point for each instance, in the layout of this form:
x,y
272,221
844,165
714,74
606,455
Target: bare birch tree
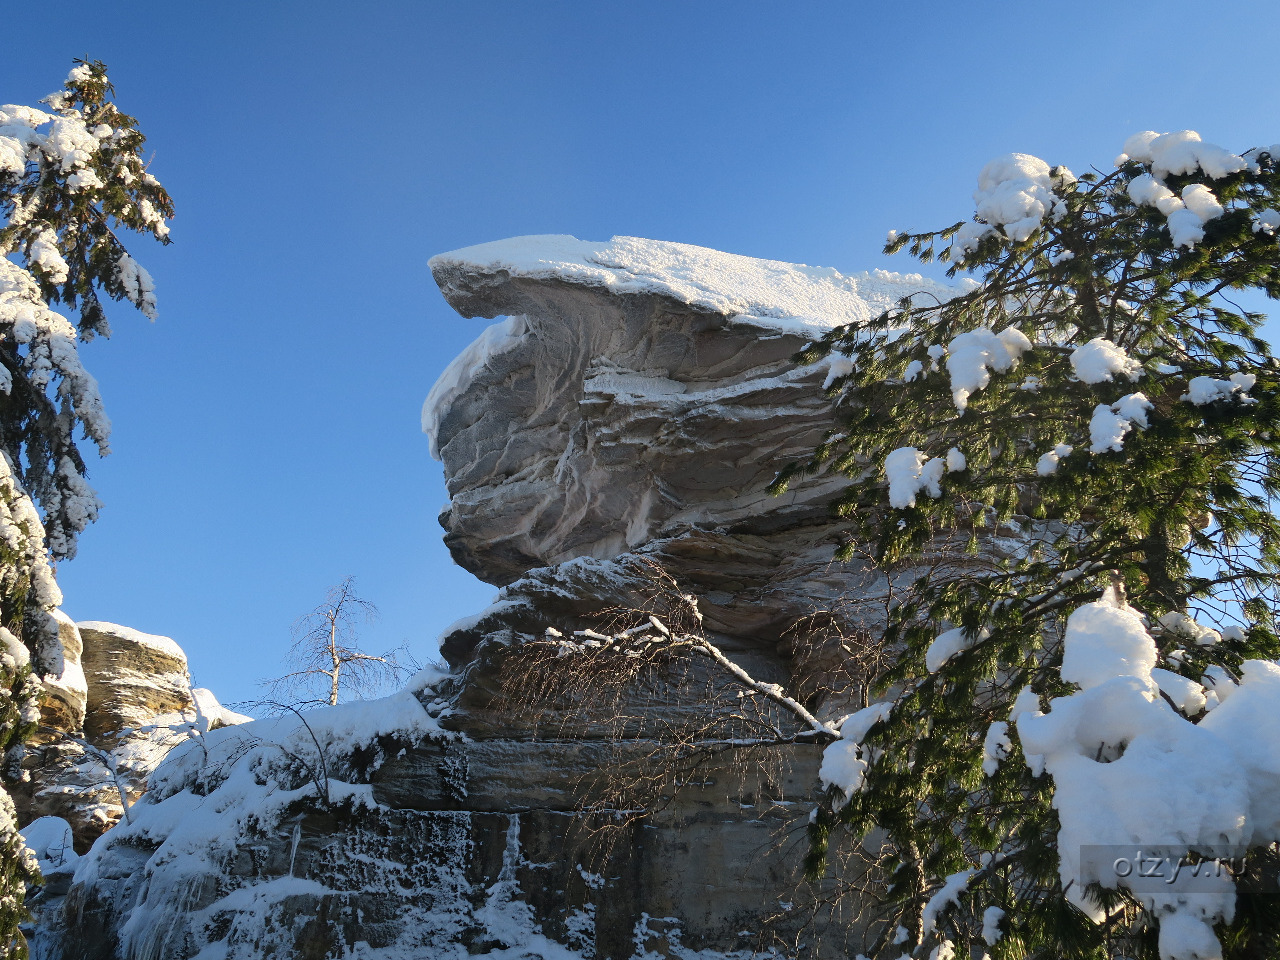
x,y
326,655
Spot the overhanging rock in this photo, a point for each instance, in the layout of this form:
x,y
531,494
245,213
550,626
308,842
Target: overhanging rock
x,y
636,401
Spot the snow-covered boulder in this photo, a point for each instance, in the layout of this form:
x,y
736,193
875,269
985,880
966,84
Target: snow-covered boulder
x,y
636,401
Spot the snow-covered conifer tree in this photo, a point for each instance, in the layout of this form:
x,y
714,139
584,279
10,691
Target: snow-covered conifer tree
x,y
72,178
1081,452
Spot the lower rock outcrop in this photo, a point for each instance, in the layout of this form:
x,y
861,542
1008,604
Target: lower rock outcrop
x,y
422,840
123,700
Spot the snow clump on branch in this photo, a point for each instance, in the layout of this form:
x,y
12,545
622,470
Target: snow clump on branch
x,y
1179,154
1014,192
1204,390
972,356
1110,422
909,472
845,761
1100,360
1131,771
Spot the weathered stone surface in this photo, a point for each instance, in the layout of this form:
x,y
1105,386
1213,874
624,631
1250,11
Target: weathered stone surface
x,y
65,695
627,420
115,681
473,847
133,676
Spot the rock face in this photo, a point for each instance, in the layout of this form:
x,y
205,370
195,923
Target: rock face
x,y
119,706
132,676
66,695
607,447
636,403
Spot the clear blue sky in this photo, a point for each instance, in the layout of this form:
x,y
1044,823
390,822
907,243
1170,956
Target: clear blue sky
x,y
266,439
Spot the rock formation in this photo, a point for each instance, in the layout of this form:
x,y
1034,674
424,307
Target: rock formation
x,y
607,447
123,700
132,677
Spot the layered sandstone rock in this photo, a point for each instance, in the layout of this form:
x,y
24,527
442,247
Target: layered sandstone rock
x,y
66,694
607,448
123,700
133,677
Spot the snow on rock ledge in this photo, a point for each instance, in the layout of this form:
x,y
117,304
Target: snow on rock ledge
x,y
785,297
636,388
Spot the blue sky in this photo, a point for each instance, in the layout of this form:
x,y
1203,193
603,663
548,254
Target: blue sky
x,y
266,439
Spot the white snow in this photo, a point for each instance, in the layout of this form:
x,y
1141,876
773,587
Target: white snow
x,y
1100,360
497,339
1145,189
138,285
213,712
1110,422
839,366
1185,228
13,155
44,253
1250,722
1200,200
49,840
855,727
1015,192
910,472
1131,773
1105,641
972,356
205,793
1266,221
786,297
1026,702
843,767
843,762
1187,695
948,643
947,895
1204,390
13,654
1048,462
1180,624
1218,686
1134,407
991,931
51,342
996,746
1180,153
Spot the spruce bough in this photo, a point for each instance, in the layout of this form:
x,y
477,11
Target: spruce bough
x,y
1075,457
